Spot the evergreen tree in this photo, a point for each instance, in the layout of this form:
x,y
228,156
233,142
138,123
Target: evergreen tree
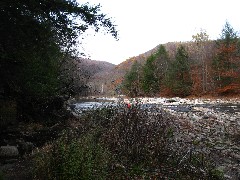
x,y
161,63
178,78
150,83
226,62
154,71
131,83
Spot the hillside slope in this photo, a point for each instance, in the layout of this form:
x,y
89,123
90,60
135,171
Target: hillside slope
x,y
93,66
87,71
109,81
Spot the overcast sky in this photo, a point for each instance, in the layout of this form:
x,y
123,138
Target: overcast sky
x,y
144,24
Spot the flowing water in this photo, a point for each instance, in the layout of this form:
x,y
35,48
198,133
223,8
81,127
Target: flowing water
x,y
229,108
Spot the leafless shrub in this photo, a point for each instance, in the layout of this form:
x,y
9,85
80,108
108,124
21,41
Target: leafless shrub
x,y
144,143
137,137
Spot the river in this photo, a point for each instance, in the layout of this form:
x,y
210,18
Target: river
x,y
173,104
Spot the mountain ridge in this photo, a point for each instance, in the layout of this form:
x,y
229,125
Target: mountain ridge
x,y
112,78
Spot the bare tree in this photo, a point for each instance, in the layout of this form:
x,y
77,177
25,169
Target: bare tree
x,y
201,38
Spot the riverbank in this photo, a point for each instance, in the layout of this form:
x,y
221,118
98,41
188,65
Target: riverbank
x,y
19,143
213,124
199,128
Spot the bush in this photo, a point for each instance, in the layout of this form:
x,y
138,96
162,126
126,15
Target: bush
x,y
137,137
82,158
126,143
8,113
216,174
1,175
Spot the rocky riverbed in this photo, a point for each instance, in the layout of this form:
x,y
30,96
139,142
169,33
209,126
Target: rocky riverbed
x,y
212,125
17,144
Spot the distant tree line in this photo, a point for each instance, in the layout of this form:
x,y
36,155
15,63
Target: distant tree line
x,y
213,68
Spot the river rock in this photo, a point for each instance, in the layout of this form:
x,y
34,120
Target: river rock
x,y
72,106
25,147
8,151
235,156
205,116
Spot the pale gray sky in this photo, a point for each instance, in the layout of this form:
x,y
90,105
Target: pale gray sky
x,y
143,24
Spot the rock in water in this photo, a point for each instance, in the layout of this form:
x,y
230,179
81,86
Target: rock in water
x,y
8,151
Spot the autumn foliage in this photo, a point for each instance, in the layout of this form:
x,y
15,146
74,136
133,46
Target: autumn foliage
x,y
226,64
199,67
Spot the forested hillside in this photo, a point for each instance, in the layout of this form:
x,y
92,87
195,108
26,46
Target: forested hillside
x,y
198,67
87,78
93,66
